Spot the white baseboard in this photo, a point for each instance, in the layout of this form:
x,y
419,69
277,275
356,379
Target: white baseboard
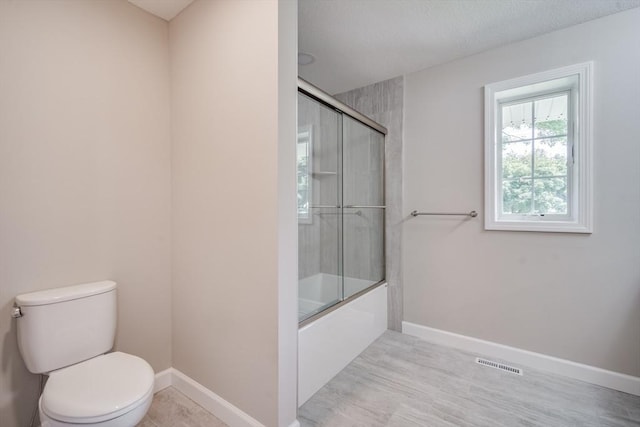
x,y
163,380
216,405
213,403
567,368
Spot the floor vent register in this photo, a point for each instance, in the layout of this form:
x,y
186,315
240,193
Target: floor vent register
x,y
501,366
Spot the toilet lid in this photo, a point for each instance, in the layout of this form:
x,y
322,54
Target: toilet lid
x,y
97,389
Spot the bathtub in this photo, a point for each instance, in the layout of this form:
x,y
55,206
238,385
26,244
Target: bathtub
x,y
329,343
321,291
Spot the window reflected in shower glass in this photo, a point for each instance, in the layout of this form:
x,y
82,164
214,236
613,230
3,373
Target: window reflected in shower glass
x,y
304,162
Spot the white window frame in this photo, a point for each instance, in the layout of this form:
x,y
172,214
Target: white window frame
x,y
580,173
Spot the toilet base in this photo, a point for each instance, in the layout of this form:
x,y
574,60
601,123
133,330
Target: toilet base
x,y
130,419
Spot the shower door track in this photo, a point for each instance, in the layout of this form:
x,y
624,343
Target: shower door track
x,y
323,97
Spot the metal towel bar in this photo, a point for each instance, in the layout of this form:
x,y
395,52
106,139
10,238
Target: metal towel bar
x,y
472,214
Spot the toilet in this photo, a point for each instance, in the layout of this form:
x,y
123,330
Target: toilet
x,y
66,333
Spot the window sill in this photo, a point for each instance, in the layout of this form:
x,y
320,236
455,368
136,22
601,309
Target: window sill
x,y
539,226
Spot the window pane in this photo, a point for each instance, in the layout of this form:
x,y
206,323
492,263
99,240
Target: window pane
x,y
551,116
516,196
551,157
516,121
516,159
550,195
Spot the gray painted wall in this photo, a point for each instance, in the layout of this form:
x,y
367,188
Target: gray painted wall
x,y
233,205
571,296
84,171
383,102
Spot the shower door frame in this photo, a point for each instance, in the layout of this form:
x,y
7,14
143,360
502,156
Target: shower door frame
x,y
324,98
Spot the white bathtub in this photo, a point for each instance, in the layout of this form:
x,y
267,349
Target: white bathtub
x,y
328,344
322,290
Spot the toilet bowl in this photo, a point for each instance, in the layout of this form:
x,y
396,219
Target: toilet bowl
x,y
65,333
112,390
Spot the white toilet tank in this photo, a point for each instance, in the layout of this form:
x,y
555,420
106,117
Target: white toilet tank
x,y
63,326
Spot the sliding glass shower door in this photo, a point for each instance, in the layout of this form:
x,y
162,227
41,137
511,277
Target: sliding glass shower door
x,y
340,185
319,208
363,202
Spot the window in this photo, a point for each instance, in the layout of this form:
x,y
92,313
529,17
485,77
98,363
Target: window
x,y
538,152
303,161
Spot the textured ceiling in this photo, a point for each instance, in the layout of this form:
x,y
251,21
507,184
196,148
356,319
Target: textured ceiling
x,y
359,42
165,9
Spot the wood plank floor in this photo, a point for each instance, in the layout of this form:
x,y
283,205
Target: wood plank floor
x,y
170,408
405,381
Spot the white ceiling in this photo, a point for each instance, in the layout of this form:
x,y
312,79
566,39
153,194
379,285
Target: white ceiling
x,y
165,9
359,42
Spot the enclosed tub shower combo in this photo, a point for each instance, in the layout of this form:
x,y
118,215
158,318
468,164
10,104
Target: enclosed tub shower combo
x,y
341,217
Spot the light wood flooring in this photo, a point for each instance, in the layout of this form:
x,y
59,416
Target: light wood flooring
x,y
402,381
170,408
405,381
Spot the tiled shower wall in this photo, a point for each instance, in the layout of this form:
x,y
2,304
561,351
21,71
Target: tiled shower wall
x,y
363,233
383,102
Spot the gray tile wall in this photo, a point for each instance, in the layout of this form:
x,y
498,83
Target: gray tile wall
x,y
363,155
383,102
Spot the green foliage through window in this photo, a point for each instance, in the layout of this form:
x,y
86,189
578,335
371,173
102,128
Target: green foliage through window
x,y
534,156
303,157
